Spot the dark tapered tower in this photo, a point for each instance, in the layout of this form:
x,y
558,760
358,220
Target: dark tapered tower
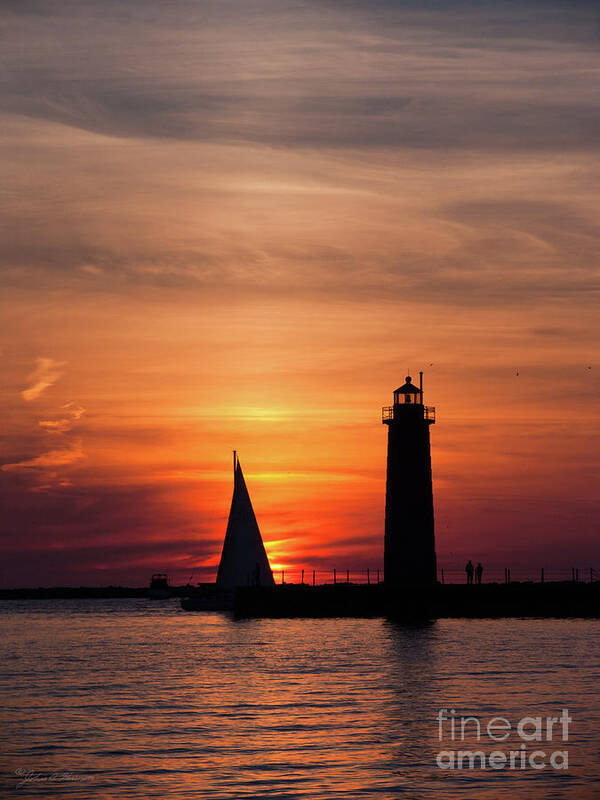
x,y
409,558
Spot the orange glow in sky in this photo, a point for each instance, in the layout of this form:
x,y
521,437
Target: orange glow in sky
x,y
226,231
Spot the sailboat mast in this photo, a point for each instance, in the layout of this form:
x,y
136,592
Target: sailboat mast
x,y
234,461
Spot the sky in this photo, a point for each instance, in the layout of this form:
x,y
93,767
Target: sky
x,y
240,224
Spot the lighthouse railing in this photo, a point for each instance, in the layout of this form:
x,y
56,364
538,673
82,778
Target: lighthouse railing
x,y
429,413
389,412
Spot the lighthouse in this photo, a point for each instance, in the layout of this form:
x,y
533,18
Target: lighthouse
x,y
409,554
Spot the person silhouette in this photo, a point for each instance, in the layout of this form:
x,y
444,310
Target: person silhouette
x,y
469,571
479,572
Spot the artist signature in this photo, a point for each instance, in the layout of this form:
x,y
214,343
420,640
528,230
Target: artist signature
x,y
27,776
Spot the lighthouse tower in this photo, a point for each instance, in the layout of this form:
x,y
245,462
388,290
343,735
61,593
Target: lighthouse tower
x,y
409,557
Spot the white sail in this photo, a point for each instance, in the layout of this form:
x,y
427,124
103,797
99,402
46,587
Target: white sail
x,y
244,560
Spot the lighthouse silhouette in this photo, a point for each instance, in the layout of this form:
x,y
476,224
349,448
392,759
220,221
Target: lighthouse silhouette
x,y
409,555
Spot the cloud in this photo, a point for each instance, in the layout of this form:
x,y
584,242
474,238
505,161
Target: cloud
x,y
423,152
64,423
100,534
310,74
56,425
53,458
45,375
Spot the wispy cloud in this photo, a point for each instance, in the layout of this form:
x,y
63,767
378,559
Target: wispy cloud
x,y
53,458
46,373
63,424
311,74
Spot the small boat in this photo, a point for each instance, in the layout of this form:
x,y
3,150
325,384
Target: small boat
x,y
159,587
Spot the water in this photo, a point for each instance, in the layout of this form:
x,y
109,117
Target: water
x,y
132,699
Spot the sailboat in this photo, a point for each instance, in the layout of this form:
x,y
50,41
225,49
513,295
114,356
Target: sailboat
x,y
244,560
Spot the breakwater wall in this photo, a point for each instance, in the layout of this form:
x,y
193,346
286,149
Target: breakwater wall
x,y
565,599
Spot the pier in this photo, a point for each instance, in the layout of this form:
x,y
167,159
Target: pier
x,y
492,600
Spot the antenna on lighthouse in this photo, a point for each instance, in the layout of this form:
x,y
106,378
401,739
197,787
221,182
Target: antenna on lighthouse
x,y
421,384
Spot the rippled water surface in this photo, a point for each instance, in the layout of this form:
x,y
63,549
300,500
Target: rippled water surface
x,y
132,699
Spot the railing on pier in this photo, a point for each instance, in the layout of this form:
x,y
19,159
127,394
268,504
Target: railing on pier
x,y
322,577
450,575
497,574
